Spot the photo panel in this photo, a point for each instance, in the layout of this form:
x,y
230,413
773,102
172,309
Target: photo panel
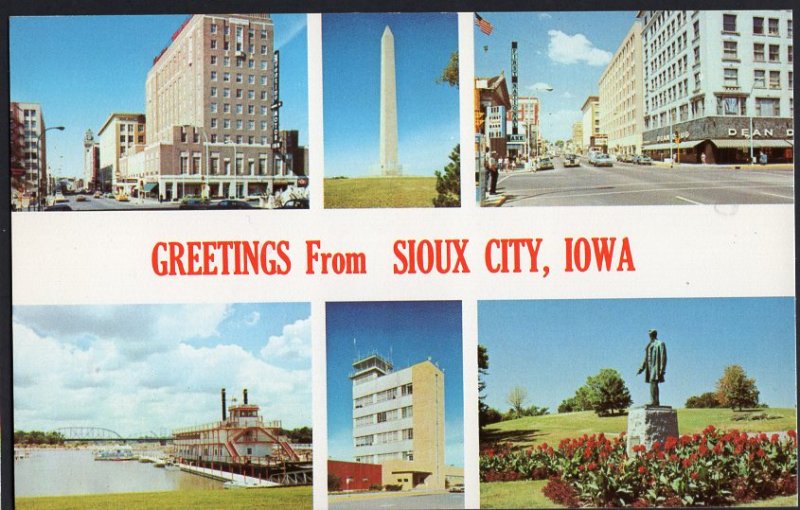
x,y
395,404
162,405
644,402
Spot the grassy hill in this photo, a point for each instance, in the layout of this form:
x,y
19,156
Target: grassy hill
x,y
552,428
363,192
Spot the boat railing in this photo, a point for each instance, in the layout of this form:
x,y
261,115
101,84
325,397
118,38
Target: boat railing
x,y
272,424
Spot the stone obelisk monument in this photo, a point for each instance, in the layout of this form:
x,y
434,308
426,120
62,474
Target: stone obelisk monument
x,y
388,163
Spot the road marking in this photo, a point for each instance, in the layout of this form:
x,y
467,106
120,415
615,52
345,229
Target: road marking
x,y
687,200
776,195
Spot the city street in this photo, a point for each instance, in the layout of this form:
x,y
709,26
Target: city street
x,y
110,204
629,184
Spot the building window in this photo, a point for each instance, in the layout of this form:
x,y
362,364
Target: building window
x,y
790,53
213,28
251,64
251,125
774,53
768,107
251,79
696,28
238,123
263,109
791,79
213,76
731,105
226,123
758,25
263,140
262,170
263,125
238,77
239,139
226,61
238,93
263,79
263,49
226,108
213,108
213,44
251,94
758,52
213,91
263,34
696,54
263,95
263,65
226,92
251,109
239,63
773,26
184,164
731,77
213,60
789,28
195,164
759,79
251,165
729,50
226,76
213,122
239,108
774,79
408,434
729,23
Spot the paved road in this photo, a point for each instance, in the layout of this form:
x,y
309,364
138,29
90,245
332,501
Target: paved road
x,y
109,204
411,501
629,184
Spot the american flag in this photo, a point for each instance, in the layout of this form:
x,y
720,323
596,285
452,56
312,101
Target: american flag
x,y
483,25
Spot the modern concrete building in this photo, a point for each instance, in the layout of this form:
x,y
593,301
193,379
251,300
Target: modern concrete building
x,y
718,85
213,111
28,149
122,135
398,421
622,95
91,161
592,136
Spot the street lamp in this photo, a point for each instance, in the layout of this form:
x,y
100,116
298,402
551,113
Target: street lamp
x,y
39,164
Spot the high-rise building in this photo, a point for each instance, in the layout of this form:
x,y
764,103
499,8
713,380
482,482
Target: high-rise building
x,y
398,421
577,135
592,136
91,161
718,85
28,149
622,95
121,136
527,126
213,112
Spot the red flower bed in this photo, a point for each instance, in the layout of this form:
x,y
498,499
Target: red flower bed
x,y
712,468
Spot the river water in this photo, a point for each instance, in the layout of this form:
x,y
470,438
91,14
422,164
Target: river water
x,y
60,472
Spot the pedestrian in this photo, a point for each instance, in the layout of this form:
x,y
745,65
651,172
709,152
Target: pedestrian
x,y
762,158
493,174
703,158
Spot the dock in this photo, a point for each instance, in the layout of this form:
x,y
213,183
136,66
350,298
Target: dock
x,y
224,476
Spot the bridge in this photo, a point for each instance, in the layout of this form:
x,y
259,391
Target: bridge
x,y
100,435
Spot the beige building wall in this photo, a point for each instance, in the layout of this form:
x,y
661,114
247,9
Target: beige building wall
x,y
591,120
428,422
622,95
122,135
577,135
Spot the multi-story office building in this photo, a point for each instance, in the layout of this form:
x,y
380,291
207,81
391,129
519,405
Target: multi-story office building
x,y
577,135
212,116
622,96
491,102
398,421
718,85
593,138
121,136
91,161
527,143
28,149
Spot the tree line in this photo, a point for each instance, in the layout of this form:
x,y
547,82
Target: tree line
x,y
37,437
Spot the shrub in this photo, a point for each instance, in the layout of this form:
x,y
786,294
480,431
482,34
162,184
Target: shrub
x,y
394,487
707,400
560,492
333,482
375,487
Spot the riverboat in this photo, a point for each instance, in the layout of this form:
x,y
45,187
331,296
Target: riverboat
x,y
118,452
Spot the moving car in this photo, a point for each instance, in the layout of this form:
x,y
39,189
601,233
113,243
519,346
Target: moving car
x,y
295,203
192,202
122,197
97,194
80,198
233,204
601,159
643,160
60,198
571,160
544,163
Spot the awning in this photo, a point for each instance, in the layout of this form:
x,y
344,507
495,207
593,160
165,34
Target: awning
x,y
150,186
745,144
675,146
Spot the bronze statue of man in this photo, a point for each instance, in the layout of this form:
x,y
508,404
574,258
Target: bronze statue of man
x,y
654,365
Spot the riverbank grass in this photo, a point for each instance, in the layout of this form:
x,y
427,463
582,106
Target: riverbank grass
x,y
241,499
363,192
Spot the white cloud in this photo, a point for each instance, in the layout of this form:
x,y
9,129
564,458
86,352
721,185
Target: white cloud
x,y
252,319
544,15
539,86
99,381
294,342
573,49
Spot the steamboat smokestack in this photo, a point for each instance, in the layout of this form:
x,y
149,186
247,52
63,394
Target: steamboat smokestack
x,y
223,405
245,396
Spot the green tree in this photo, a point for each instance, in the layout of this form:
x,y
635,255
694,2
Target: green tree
x,y
607,392
450,73
448,183
483,369
581,401
707,400
516,399
735,389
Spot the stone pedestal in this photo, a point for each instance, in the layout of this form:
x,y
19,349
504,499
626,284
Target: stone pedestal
x,y
649,424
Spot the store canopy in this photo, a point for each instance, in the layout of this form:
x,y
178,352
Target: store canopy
x,y
150,186
675,146
745,144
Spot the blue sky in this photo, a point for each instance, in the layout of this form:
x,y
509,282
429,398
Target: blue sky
x,y
551,347
427,112
567,50
83,68
141,368
408,332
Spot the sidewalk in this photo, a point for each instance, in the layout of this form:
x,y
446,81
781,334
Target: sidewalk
x,y
745,166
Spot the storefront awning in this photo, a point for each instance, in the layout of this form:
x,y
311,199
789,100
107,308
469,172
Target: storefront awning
x,y
745,144
675,146
150,186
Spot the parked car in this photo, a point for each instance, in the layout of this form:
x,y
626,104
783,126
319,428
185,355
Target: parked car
x,y
625,158
122,197
192,202
295,203
97,194
571,160
108,195
60,198
233,204
459,487
544,163
641,159
602,159
58,207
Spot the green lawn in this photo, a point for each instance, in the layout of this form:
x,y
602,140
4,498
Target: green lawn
x,y
363,192
521,494
552,428
243,499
